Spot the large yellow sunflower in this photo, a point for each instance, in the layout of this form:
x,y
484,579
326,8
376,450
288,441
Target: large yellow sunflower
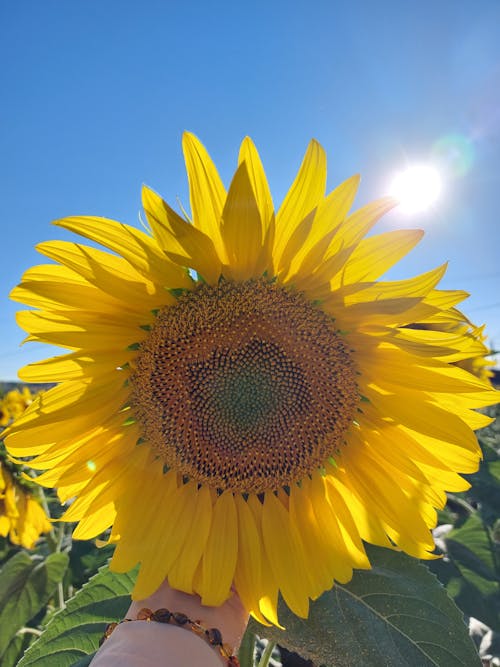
x,y
243,402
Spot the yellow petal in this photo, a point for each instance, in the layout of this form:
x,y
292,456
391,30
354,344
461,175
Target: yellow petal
x,y
171,526
430,420
302,515
37,439
350,537
339,562
70,294
83,405
248,573
57,330
95,524
138,522
109,484
367,522
304,195
219,559
114,275
418,286
207,194
407,370
268,601
286,555
359,223
199,524
249,155
181,241
74,366
140,251
376,490
330,214
294,244
376,254
242,228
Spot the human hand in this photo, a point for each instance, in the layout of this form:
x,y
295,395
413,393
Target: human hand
x,y
230,618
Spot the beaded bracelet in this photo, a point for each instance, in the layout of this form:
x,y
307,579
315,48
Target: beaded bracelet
x,y
211,635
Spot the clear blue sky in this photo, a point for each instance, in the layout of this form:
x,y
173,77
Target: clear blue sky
x,y
96,94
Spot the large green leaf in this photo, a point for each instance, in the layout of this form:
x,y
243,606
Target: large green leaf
x,y
396,615
74,632
26,585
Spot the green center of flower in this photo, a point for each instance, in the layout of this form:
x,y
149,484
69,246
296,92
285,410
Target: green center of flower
x,y
244,386
241,395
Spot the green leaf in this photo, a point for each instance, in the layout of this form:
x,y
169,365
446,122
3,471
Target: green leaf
x,y
395,614
471,545
74,632
15,649
85,560
26,585
469,571
485,490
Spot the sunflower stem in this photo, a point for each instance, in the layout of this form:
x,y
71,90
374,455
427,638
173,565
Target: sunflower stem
x,y
60,595
60,537
266,654
247,649
45,505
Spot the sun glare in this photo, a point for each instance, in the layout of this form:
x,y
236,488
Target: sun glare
x,y
417,188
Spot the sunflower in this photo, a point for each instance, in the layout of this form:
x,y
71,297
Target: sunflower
x,y
241,400
22,518
13,404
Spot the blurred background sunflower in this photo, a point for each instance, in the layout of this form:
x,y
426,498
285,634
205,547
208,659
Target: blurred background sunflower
x,y
22,518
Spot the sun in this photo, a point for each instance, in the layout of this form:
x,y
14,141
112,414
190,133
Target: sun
x,y
417,188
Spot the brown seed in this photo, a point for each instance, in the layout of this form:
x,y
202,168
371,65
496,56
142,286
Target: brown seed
x,y
244,386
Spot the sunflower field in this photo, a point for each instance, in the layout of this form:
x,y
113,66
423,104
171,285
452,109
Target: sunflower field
x,y
246,406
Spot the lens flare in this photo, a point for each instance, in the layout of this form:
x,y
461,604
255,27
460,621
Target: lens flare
x,y
455,152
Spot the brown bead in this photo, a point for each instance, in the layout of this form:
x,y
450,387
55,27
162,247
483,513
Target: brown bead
x,y
107,632
197,628
180,618
109,628
161,615
214,636
226,650
144,614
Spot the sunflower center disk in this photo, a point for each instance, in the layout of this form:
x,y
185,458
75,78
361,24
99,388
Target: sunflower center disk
x,y
244,386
